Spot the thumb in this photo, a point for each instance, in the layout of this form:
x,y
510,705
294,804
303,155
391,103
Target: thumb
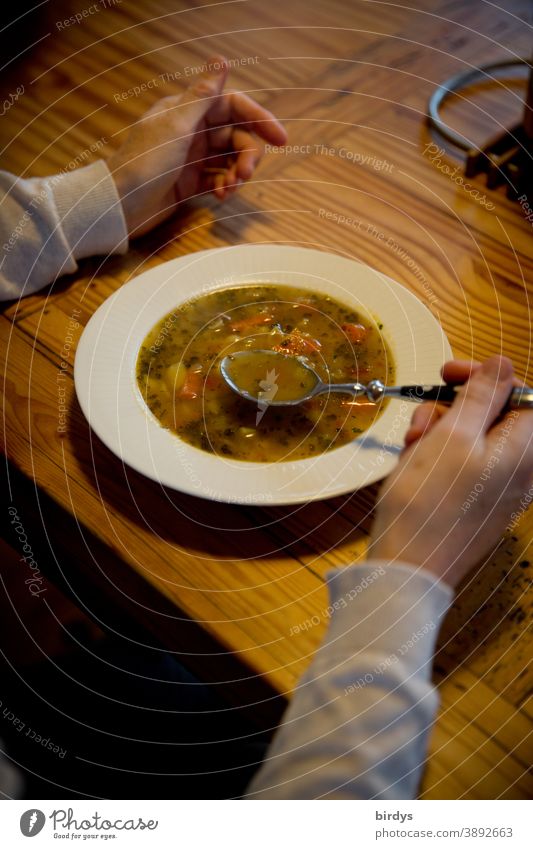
x,y
200,95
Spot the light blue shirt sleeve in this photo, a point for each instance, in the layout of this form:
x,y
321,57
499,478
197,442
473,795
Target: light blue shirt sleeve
x,y
359,721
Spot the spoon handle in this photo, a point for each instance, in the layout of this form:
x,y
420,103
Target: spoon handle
x,y
520,397
444,393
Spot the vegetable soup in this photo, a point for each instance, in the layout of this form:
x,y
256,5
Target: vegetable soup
x,y
178,371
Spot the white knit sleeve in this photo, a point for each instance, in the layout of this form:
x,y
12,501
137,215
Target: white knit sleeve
x,y
358,724
48,223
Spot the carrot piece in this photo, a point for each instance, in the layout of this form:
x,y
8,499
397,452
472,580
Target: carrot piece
x,y
355,332
192,386
251,321
297,344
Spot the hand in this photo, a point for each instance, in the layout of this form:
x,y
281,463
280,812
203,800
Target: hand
x,y
203,140
464,469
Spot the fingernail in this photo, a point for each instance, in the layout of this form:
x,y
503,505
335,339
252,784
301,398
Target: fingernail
x,y
214,66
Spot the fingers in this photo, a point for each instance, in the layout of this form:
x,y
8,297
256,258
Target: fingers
x,y
459,371
244,110
480,401
249,153
219,186
238,165
424,417
204,106
512,437
427,415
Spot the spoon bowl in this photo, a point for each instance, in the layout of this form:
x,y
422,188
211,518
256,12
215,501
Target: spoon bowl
x,y
278,380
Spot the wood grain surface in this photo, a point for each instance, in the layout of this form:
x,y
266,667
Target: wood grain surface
x,y
222,586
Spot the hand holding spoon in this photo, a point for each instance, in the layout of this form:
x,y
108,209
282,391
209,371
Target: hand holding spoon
x,y
280,380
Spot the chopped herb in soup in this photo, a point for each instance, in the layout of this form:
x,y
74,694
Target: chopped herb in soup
x,y
178,372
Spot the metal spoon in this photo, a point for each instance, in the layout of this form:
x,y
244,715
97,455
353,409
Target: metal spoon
x,y
375,390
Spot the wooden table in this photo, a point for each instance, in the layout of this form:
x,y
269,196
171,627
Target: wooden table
x,y
221,585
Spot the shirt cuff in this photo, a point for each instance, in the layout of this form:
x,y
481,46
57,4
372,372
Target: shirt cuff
x,y
388,608
90,212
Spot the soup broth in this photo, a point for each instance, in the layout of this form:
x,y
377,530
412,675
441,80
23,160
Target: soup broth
x,y
178,371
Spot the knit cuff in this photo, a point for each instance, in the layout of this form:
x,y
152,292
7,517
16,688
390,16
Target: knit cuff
x,y
90,211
